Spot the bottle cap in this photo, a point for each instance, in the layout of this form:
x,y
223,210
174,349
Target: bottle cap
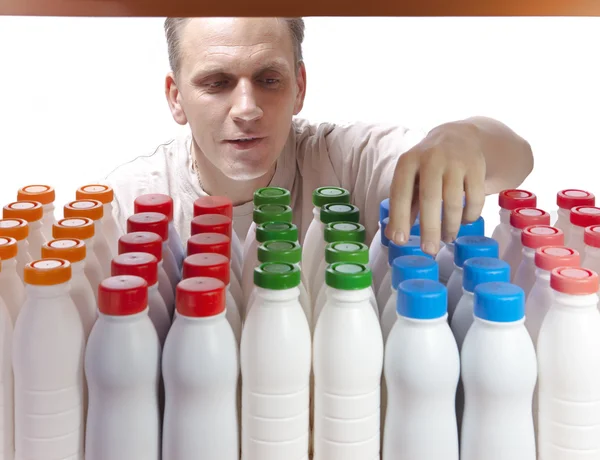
x,y
14,228
467,247
8,248
536,236
499,302
585,216
272,195
513,199
384,239
102,193
591,235
414,267
422,299
210,265
344,231
339,212
348,276
280,251
569,198
31,211
347,251
574,280
411,248
277,276
81,228
122,295
213,205
70,249
479,270
549,257
384,209
92,209
154,202
269,231
216,243
140,264
47,272
149,222
43,194
272,213
141,242
524,217
327,195
200,297
211,223
476,228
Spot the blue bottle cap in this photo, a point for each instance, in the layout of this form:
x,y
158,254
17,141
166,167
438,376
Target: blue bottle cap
x,y
416,228
499,302
413,267
384,239
476,228
422,299
467,247
384,209
411,248
479,270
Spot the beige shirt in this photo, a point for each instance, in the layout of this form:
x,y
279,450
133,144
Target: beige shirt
x,y
359,157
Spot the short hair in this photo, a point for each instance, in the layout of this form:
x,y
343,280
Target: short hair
x,y
174,26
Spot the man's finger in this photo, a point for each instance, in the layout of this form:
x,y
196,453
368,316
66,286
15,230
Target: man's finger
x,y
475,193
401,198
453,186
430,204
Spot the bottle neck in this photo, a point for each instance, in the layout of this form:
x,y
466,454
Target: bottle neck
x,y
124,318
274,297
205,320
570,301
528,255
8,265
504,216
347,298
47,292
499,325
542,276
424,323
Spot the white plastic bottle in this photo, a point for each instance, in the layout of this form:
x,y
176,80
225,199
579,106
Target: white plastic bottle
x,y
565,201
122,365
161,203
380,266
591,255
581,217
200,367
7,444
568,352
48,371
532,238
465,248
12,289
45,195
145,266
33,213
19,230
422,368
347,363
375,248
508,200
498,371
275,356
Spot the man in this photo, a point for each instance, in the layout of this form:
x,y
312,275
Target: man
x,y
239,83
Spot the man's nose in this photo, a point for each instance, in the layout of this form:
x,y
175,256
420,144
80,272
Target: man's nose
x,y
245,106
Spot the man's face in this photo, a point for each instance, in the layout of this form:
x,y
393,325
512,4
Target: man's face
x,y
238,89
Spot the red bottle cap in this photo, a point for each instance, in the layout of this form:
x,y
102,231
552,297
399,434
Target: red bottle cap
x,y
209,242
549,257
200,297
211,223
585,216
535,236
524,217
207,265
122,295
574,280
149,222
140,264
569,198
213,205
154,202
513,199
591,236
141,242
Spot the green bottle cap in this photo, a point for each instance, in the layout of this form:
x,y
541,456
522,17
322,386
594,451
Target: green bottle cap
x,y
347,251
339,212
345,231
272,195
280,251
272,213
277,276
276,231
326,195
348,276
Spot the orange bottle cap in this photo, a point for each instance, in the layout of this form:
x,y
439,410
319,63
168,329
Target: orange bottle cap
x,y
81,228
103,193
92,209
8,248
43,193
70,249
14,228
31,211
47,272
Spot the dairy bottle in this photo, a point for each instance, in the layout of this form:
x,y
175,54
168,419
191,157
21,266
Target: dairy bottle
x,y
7,444
161,203
275,356
380,266
591,255
105,195
152,244
19,230
565,201
12,289
122,365
83,229
445,257
533,237
32,212
465,248
568,352
422,368
581,217
48,371
347,366
145,266
200,368
45,195
508,200
215,266
376,246
498,370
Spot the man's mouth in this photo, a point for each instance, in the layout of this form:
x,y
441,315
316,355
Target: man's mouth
x,y
245,142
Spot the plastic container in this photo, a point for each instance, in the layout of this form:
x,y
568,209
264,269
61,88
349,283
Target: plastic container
x,y
45,195
12,289
7,443
508,200
591,255
581,217
19,230
376,247
565,201
33,213
380,267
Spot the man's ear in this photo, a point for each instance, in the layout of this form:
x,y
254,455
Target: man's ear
x,y
174,99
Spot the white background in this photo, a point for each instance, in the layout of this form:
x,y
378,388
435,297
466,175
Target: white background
x,y
81,95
